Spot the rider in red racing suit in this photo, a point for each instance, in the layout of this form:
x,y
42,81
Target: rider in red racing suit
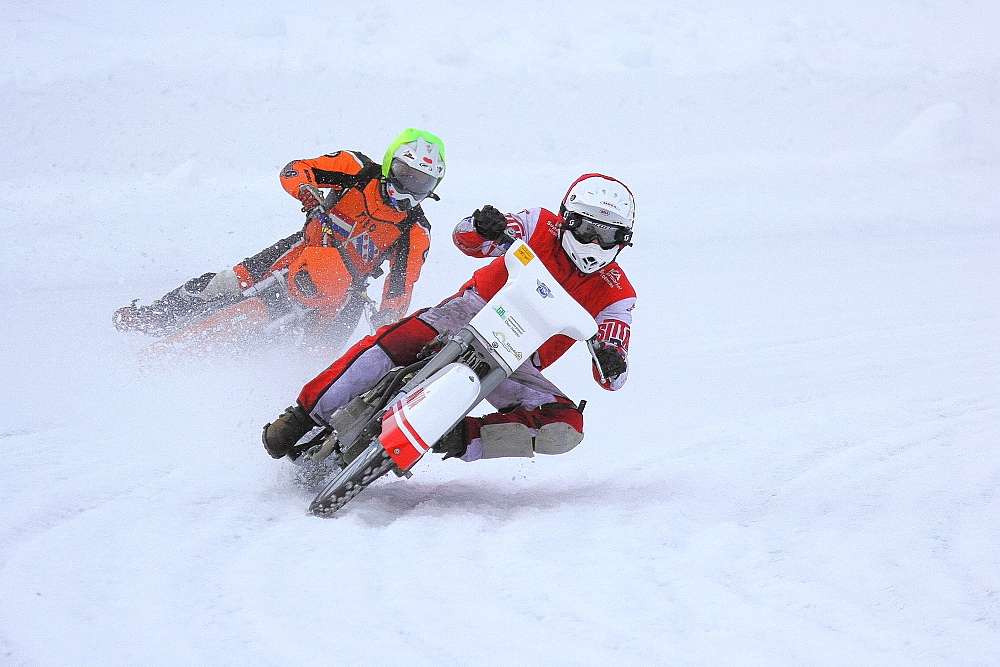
x,y
579,247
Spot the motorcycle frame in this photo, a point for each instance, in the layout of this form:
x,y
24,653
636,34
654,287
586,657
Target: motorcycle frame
x,y
354,426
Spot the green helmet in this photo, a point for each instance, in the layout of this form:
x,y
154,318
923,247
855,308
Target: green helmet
x,y
412,167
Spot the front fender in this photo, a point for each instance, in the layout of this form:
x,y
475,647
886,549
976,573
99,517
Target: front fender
x,y
416,421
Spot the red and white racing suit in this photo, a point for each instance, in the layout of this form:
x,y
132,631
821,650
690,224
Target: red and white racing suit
x,y
554,424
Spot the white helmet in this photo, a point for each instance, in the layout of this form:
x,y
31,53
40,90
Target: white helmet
x,y
598,212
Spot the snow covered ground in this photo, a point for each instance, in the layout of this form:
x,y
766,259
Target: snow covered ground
x,y
802,469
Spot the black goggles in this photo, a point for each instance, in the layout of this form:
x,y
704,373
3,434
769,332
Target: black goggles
x,y
587,230
411,181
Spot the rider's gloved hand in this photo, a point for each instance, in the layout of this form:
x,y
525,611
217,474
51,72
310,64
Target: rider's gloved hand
x,y
309,196
489,223
610,360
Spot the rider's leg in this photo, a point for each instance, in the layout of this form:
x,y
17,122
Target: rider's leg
x,y
534,417
358,369
552,428
197,297
351,375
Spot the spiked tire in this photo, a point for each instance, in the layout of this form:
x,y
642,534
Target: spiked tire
x,y
352,480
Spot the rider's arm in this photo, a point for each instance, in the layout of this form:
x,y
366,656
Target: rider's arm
x,y
519,226
327,171
614,326
405,262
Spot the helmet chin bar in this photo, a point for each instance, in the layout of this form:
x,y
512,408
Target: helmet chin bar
x,y
401,201
587,257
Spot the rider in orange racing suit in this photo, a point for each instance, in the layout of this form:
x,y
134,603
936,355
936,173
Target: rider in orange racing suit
x,y
371,213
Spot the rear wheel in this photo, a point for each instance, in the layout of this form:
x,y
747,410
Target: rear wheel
x,y
371,464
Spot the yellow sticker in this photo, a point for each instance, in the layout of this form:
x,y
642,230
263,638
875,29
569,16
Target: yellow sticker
x,y
524,254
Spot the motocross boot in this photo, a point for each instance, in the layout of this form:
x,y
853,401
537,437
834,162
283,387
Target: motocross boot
x,y
452,444
281,435
168,313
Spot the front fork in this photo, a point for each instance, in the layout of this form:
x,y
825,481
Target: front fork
x,y
365,418
462,374
353,425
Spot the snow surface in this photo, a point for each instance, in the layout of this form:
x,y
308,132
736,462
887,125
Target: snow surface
x,y
802,469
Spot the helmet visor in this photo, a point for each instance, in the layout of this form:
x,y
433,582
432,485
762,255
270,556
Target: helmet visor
x,y
411,181
603,234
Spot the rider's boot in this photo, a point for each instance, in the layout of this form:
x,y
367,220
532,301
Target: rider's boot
x,y
281,435
177,308
453,443
168,313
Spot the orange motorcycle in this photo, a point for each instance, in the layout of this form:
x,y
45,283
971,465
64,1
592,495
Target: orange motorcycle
x,y
319,299
315,301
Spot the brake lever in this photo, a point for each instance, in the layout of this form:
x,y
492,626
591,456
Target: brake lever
x,y
592,347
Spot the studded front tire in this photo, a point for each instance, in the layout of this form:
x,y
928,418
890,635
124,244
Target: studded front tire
x,y
371,464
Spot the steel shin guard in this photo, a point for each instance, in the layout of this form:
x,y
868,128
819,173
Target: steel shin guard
x,y
506,440
557,438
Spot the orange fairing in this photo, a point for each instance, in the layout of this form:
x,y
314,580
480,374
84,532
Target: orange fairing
x,y
319,279
216,329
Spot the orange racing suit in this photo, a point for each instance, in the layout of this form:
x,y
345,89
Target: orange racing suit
x,y
365,229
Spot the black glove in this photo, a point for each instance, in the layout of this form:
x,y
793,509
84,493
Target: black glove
x,y
489,223
611,361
